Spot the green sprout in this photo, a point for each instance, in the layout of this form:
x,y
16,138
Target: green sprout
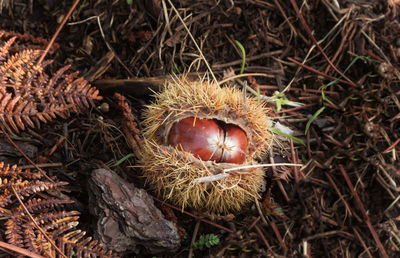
x,y
243,56
280,99
319,111
119,162
207,241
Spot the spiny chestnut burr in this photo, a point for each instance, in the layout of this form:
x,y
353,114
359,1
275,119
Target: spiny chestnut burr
x,y
196,130
209,140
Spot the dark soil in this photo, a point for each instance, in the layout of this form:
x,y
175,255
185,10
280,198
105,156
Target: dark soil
x,y
355,139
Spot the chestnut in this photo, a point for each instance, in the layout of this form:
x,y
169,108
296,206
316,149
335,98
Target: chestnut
x,y
235,145
208,139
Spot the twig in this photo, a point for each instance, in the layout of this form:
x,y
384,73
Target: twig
x,y
57,32
254,223
364,213
195,231
318,72
391,146
19,250
362,242
346,205
292,28
42,165
230,78
296,108
278,235
271,159
329,233
262,165
260,233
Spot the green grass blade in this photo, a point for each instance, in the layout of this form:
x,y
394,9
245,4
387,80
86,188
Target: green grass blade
x,y
319,111
119,162
243,56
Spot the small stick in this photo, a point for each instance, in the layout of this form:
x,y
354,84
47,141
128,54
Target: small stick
x,y
19,250
195,231
278,235
57,32
364,213
43,165
263,165
391,146
260,233
43,159
318,72
362,242
254,223
346,205
279,183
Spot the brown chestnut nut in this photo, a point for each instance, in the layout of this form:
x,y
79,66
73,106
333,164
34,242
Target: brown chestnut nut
x,y
235,145
208,140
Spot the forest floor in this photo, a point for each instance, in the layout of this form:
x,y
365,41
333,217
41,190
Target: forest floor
x,y
344,201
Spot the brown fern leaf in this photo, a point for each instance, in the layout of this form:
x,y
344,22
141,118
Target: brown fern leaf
x,y
47,211
28,96
14,172
37,205
52,220
69,243
14,233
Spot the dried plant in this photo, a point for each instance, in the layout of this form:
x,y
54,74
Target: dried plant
x,y
32,218
48,212
29,96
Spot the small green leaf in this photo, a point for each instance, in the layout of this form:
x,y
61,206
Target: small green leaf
x,y
243,56
119,162
319,111
129,2
208,241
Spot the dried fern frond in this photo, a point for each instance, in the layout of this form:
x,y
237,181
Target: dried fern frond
x,y
47,211
29,96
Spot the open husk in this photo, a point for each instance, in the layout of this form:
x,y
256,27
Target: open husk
x,y
181,178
